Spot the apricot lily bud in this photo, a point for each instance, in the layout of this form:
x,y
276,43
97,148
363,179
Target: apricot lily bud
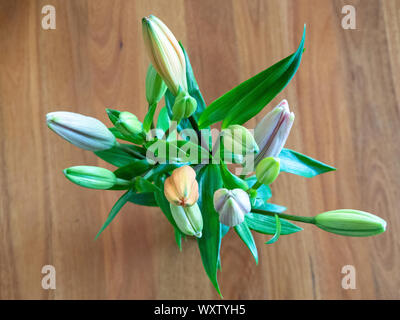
x,y
165,53
348,222
183,107
232,206
155,86
268,170
188,219
273,130
85,132
181,188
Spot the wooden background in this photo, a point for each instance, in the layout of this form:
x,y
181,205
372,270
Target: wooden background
x,y
345,97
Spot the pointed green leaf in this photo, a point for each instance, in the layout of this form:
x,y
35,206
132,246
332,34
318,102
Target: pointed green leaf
x,y
302,165
163,120
250,97
148,119
244,233
118,157
230,180
267,224
143,199
277,232
133,169
115,209
178,238
143,185
209,179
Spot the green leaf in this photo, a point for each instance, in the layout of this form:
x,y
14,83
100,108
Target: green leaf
x,y
178,238
160,169
230,180
118,157
302,165
148,119
143,199
133,169
115,209
143,185
244,233
209,179
250,97
263,192
119,135
269,207
224,230
277,232
163,120
267,224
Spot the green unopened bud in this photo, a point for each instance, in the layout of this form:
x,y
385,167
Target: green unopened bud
x,y
128,124
184,106
351,223
85,132
155,86
232,206
239,140
188,219
268,170
91,177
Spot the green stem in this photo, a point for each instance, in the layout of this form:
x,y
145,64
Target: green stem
x,y
123,182
285,216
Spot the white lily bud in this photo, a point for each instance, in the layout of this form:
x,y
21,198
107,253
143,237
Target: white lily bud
x,y
165,53
85,132
232,206
273,130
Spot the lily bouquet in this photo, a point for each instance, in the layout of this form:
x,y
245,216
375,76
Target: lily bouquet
x,y
206,182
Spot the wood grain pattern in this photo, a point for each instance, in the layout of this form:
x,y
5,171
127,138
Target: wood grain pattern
x,y
345,97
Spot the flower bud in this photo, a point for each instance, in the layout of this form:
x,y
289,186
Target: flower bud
x,y
184,106
273,130
239,140
85,132
232,206
188,219
268,170
155,86
91,177
165,53
181,188
128,124
351,223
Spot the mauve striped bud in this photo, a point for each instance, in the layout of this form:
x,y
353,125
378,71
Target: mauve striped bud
x,y
352,223
232,206
85,132
273,130
165,53
181,188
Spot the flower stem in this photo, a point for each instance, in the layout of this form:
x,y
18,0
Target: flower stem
x,y
285,216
